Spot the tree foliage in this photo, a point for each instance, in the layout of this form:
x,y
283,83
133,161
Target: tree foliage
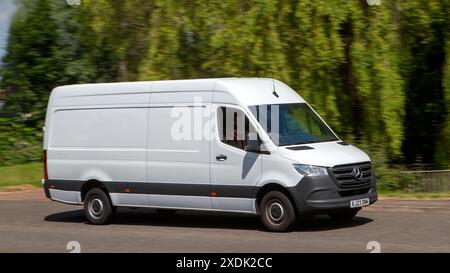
x,y
380,75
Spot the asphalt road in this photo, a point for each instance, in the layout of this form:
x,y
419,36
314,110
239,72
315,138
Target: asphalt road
x,y
30,223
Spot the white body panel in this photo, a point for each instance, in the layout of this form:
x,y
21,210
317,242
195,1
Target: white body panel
x,y
98,133
121,133
335,154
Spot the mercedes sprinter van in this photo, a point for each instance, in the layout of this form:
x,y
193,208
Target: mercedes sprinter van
x,y
246,145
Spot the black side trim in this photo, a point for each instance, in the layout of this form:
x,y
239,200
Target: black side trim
x,y
298,148
159,188
65,185
236,191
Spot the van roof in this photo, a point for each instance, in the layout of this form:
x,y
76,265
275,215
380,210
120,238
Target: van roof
x,y
249,91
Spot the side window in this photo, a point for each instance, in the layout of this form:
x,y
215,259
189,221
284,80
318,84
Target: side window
x,y
233,127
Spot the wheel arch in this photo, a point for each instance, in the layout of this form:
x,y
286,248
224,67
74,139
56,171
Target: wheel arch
x,y
273,186
92,184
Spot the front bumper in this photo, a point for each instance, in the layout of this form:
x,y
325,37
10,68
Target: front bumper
x,y
322,195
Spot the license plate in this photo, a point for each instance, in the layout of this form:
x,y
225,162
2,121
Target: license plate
x,y
359,203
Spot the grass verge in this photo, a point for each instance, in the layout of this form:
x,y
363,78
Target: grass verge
x,y
15,176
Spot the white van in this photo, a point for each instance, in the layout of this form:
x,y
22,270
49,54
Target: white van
x,y
247,145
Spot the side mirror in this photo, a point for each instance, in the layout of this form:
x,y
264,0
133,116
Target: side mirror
x,y
253,146
253,143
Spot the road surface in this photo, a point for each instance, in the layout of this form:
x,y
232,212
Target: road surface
x,y
31,223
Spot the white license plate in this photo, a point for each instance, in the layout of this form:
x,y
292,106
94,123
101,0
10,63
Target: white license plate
x,y
359,203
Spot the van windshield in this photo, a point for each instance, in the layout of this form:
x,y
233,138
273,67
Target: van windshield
x,y
291,124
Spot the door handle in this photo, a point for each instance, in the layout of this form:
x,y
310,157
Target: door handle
x,y
221,157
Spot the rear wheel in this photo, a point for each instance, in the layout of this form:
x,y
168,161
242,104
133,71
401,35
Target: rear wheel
x,y
277,212
98,207
344,215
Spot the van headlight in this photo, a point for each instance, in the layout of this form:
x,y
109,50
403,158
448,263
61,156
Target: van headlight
x,y
310,170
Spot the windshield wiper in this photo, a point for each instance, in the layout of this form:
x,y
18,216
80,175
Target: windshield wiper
x,y
297,143
311,141
301,143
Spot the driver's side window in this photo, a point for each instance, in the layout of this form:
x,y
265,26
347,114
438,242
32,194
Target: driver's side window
x,y
233,126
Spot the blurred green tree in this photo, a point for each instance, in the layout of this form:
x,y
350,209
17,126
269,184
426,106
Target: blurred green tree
x,y
31,68
379,74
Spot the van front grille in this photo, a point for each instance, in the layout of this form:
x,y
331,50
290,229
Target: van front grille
x,y
347,176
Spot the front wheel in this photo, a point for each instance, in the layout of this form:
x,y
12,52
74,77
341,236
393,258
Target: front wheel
x,y
277,212
98,207
344,215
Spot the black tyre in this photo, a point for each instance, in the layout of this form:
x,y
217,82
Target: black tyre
x,y
97,207
165,211
343,215
277,212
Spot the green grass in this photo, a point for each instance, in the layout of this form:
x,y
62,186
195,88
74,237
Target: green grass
x,y
19,175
